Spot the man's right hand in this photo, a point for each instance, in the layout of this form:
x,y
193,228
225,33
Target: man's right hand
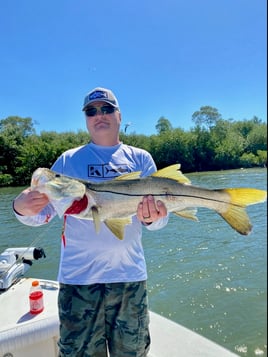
x,y
30,203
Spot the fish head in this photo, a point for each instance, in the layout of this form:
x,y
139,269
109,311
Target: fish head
x,y
61,190
56,186
40,177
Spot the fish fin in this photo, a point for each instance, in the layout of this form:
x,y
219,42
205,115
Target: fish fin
x,y
246,196
188,214
236,215
130,176
96,218
238,219
117,226
172,172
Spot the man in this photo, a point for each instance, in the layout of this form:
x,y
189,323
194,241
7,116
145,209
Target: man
x,y
103,298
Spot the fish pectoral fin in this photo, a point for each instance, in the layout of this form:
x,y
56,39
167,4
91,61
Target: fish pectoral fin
x,y
130,176
96,218
172,172
117,226
188,214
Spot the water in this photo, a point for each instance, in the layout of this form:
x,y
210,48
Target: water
x,y
202,275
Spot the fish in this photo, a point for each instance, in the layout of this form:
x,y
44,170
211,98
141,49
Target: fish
x,y
114,202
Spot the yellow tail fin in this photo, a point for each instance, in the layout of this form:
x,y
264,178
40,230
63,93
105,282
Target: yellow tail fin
x,y
236,215
238,219
246,196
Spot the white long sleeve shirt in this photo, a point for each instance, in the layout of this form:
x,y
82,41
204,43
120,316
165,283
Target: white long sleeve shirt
x,y
88,257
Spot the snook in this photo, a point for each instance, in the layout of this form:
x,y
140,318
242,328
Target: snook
x,y
114,202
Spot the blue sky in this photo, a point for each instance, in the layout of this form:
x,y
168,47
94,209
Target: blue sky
x,y
161,58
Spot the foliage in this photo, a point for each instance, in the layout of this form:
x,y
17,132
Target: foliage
x,y
163,125
213,143
206,117
5,180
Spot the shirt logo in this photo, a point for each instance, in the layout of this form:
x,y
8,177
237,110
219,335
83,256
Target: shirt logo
x,y
107,171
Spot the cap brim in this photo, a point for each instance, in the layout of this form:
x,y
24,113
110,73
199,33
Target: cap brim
x,y
100,100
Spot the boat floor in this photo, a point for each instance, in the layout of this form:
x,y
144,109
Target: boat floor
x,y
25,335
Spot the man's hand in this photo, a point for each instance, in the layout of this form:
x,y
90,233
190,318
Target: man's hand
x,y
30,203
150,210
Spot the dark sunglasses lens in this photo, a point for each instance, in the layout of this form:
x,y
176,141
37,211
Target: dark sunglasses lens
x,y
107,109
91,112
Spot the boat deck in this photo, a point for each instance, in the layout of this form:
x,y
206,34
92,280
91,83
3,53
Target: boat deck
x,y
25,335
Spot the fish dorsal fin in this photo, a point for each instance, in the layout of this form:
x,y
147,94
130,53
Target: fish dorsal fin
x,y
117,226
188,214
172,172
130,176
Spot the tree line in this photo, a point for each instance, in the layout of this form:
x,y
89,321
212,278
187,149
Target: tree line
x,y
213,143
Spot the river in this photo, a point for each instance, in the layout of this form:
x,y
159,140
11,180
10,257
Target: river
x,y
203,275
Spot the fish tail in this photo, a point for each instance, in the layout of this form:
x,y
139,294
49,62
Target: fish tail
x,y
238,219
246,196
236,215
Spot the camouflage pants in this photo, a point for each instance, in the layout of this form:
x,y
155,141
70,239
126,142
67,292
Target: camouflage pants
x,y
100,317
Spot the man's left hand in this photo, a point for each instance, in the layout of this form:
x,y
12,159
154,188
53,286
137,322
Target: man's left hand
x,y
150,210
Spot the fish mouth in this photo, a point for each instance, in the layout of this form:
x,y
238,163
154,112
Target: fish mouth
x,y
39,180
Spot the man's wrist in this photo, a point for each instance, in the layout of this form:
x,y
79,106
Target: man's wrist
x,y
13,206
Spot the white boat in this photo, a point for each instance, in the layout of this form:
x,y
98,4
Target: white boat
x,y
23,334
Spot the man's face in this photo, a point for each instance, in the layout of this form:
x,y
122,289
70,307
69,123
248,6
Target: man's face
x,y
102,119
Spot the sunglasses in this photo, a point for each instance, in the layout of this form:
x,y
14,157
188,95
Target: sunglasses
x,y
105,109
